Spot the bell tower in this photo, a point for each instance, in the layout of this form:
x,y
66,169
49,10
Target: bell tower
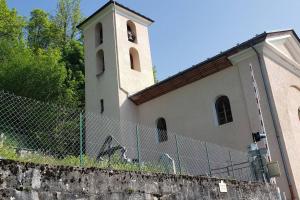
x,y
118,60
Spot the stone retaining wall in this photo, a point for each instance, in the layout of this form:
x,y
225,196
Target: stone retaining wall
x,y
26,181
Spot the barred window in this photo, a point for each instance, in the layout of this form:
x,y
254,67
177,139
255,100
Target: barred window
x,y
223,110
162,130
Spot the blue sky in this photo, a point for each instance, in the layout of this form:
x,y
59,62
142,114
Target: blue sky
x,y
186,32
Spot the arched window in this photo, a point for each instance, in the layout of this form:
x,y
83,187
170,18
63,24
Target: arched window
x,y
162,130
100,63
134,59
223,110
131,31
98,34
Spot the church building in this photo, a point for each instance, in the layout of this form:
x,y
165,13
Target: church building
x,y
222,100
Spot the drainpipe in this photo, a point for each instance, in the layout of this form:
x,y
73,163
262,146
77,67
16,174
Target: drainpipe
x,y
275,127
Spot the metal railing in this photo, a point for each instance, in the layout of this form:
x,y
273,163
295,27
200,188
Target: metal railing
x,y
33,131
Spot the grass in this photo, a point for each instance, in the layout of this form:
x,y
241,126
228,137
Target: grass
x,y
7,152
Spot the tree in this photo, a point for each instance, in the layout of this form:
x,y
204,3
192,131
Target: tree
x,y
41,31
40,75
45,33
68,16
46,66
49,64
11,24
74,60
155,74
73,56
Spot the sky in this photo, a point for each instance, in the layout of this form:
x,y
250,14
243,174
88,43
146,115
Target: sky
x,y
187,32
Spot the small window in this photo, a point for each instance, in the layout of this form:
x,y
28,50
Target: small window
x,y
101,106
131,32
162,130
100,63
131,61
299,113
98,34
134,59
223,110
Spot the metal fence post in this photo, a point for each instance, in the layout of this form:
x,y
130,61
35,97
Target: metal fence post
x,y
138,148
81,139
207,157
177,153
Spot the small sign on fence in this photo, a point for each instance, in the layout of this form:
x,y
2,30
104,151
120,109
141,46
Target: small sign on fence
x,y
223,187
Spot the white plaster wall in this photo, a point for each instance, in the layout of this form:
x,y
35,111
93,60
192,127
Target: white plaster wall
x,y
189,110
130,80
117,64
244,68
293,105
118,80
285,101
104,86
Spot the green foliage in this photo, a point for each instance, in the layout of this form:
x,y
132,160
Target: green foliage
x,y
29,124
155,74
48,65
10,153
11,25
42,32
39,75
67,17
73,57
42,58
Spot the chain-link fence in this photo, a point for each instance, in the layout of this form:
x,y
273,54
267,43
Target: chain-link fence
x,y
33,131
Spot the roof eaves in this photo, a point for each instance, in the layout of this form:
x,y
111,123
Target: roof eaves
x,y
95,13
246,44
107,4
274,33
139,14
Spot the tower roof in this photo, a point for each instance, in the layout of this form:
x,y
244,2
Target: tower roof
x,y
110,2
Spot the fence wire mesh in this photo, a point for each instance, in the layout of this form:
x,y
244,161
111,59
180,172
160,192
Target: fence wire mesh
x,y
33,131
